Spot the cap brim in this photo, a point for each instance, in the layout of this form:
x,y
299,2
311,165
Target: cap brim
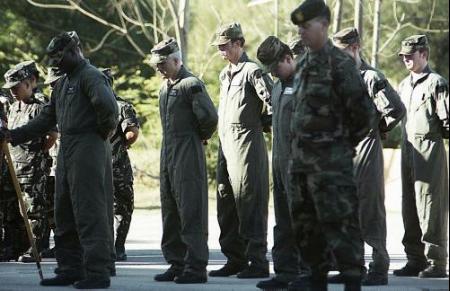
x,y
220,41
9,85
156,59
405,53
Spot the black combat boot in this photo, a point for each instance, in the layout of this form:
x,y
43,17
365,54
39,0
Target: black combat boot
x,y
434,271
272,284
92,283
61,280
228,270
169,275
410,270
308,284
191,278
252,272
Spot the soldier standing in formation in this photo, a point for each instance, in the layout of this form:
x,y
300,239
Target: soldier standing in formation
x,y
188,119
278,59
243,187
368,162
332,114
53,75
31,160
124,136
424,163
84,107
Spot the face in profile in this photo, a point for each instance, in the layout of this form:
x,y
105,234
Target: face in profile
x,y
313,32
22,91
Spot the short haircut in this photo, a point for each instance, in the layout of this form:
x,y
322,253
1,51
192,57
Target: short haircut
x,y
241,39
176,56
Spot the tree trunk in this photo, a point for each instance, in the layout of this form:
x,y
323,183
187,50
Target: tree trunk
x,y
376,32
183,14
337,16
359,17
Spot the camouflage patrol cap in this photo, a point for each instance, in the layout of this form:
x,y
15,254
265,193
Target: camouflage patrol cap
x,y
60,44
271,51
297,47
162,50
18,73
413,43
53,75
308,10
227,33
346,37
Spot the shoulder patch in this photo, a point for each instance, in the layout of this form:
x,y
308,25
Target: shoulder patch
x,y
196,89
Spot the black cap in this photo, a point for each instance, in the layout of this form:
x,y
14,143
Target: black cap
x,y
308,10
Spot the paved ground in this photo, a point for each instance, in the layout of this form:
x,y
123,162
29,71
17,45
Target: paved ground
x,y
145,260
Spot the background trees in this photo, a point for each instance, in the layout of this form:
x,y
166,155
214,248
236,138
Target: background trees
x,y
120,34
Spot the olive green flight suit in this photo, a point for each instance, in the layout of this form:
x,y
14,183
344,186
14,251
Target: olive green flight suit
x,y
285,253
244,95
369,166
188,117
84,108
424,168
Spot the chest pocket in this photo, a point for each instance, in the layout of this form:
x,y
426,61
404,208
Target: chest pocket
x,y
423,115
172,98
319,101
235,86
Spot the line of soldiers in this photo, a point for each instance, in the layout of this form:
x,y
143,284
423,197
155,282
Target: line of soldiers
x,y
38,162
329,111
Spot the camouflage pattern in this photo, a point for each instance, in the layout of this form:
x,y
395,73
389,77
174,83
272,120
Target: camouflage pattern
x,y
244,100
32,166
227,33
425,167
369,166
84,108
188,116
413,43
18,73
122,173
332,114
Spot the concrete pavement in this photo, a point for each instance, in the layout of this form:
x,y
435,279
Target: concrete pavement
x,y
145,260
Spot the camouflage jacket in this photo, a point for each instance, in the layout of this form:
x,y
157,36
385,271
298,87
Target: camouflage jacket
x,y
28,157
332,111
389,106
121,162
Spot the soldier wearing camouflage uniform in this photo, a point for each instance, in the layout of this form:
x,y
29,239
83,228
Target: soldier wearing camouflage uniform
x,y
124,136
332,114
84,107
278,59
31,160
424,163
368,162
188,119
13,240
243,187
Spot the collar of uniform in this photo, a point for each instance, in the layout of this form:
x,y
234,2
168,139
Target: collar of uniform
x,y
242,60
421,76
181,75
321,56
78,68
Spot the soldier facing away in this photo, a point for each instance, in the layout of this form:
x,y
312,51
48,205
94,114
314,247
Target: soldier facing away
x,y
242,173
332,114
84,108
424,163
188,119
30,160
278,59
368,162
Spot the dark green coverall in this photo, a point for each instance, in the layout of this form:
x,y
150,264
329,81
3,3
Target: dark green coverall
x,y
84,108
188,117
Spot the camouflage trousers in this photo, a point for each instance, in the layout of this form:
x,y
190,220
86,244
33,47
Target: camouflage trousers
x,y
123,210
49,211
324,209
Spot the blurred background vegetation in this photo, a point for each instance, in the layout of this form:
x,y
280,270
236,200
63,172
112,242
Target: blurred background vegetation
x,y
120,34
